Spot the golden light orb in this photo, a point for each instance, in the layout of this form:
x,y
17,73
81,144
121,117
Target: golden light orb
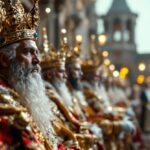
x,y
47,10
102,39
123,72
63,31
79,38
142,67
107,62
112,67
105,53
140,79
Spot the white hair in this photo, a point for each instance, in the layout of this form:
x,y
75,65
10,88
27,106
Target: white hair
x,y
10,50
67,97
64,92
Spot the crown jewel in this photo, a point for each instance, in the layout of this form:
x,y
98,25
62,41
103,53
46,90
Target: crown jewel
x,y
15,23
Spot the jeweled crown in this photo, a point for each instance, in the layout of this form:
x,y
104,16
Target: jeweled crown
x,y
53,58
73,54
17,24
93,61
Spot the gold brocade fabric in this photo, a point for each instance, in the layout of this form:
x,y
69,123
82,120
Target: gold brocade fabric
x,y
20,121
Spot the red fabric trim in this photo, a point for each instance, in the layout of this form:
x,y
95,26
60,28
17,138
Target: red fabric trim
x,y
73,148
61,147
26,141
2,83
5,136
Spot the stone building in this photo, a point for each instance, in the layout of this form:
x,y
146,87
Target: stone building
x,y
119,25
79,17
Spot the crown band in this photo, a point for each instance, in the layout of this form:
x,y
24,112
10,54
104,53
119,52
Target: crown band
x,y
17,36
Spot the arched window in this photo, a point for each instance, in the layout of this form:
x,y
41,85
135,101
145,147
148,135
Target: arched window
x,y
117,30
126,35
117,36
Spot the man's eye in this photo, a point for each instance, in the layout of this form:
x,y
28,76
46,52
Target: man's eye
x,y
27,52
76,69
37,52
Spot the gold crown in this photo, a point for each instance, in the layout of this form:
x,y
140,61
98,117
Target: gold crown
x,y
16,24
53,58
88,65
91,63
73,55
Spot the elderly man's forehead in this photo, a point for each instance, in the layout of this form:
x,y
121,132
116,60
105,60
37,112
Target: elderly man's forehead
x,y
76,65
60,69
28,44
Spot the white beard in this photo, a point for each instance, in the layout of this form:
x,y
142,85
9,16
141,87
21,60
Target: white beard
x,y
64,93
95,86
103,97
67,98
34,98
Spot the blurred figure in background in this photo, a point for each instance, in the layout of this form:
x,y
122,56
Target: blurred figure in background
x,y
145,113
135,100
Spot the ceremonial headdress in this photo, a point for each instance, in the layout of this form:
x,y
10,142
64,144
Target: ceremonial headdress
x,y
54,58
73,55
93,61
16,24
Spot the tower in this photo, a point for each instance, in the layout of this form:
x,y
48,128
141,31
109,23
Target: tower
x,y
119,25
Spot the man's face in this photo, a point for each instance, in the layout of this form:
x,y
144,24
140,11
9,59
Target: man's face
x,y
25,63
60,74
25,78
75,71
27,54
95,75
103,76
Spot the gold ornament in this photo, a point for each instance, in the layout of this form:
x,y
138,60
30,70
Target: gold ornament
x,y
16,24
93,61
73,55
54,58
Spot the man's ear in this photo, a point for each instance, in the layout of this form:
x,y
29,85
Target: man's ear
x,y
4,60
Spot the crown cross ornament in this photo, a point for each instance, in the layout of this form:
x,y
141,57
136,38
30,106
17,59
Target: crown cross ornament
x,y
16,24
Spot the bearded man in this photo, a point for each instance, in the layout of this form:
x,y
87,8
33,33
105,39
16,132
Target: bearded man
x,y
91,80
26,117
54,73
59,83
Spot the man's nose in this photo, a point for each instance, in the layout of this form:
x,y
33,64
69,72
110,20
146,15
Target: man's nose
x,y
81,73
65,75
36,59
